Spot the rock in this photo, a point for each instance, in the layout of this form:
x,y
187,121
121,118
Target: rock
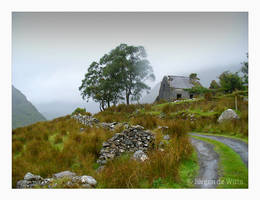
x,y
162,115
88,180
166,137
74,181
163,128
228,114
22,184
105,144
100,168
140,156
31,177
138,127
64,174
81,129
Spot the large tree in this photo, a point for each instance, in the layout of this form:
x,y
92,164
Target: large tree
x,y
214,85
129,69
230,81
120,73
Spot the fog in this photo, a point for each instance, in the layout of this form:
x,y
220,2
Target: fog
x,y
52,51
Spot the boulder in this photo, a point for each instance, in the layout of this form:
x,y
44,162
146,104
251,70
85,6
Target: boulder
x,y
22,184
140,156
88,180
228,114
31,177
64,174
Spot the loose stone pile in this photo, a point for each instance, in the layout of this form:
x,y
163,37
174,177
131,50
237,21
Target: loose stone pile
x,y
131,139
91,121
85,119
30,180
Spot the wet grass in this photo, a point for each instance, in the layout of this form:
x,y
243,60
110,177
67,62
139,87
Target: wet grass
x,y
238,137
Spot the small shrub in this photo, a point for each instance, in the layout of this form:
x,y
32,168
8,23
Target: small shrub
x,y
81,111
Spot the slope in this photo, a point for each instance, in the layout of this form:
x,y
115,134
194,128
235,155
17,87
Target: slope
x,y
23,112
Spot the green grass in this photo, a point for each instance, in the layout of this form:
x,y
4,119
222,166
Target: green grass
x,y
202,113
188,171
160,106
233,172
59,145
238,137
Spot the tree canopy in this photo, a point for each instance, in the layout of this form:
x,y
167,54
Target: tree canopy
x,y
214,85
244,70
119,75
229,82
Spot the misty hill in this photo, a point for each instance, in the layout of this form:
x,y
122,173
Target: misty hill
x,y
23,112
150,98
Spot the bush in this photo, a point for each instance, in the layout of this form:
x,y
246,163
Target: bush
x,y
81,111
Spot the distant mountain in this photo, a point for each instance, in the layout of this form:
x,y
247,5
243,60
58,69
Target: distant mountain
x,y
150,98
23,112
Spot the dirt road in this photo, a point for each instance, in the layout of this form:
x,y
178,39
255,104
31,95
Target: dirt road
x,y
208,161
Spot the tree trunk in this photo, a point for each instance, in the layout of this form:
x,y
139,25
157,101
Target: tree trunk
x,y
127,99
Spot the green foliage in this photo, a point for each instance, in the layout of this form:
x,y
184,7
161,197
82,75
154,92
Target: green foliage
x,y
157,183
194,76
81,111
230,82
244,70
197,90
23,112
214,85
119,73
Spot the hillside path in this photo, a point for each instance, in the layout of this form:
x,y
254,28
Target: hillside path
x,y
238,146
208,162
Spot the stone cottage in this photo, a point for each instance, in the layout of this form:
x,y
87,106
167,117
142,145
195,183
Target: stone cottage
x,y
172,88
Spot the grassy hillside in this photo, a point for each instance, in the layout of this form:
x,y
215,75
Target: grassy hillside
x,y
49,147
23,112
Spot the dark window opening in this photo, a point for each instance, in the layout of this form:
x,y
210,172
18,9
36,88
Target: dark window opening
x,y
163,86
191,96
178,96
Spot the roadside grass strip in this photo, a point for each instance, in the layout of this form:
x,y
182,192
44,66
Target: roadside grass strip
x,y
238,137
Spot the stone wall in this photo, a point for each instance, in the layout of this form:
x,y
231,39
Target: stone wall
x,y
133,139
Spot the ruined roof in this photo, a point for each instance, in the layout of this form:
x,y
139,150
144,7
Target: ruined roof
x,y
179,82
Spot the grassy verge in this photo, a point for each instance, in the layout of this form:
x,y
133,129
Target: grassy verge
x,y
238,137
233,173
188,171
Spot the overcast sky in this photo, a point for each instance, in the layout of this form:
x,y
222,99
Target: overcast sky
x,y
52,51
